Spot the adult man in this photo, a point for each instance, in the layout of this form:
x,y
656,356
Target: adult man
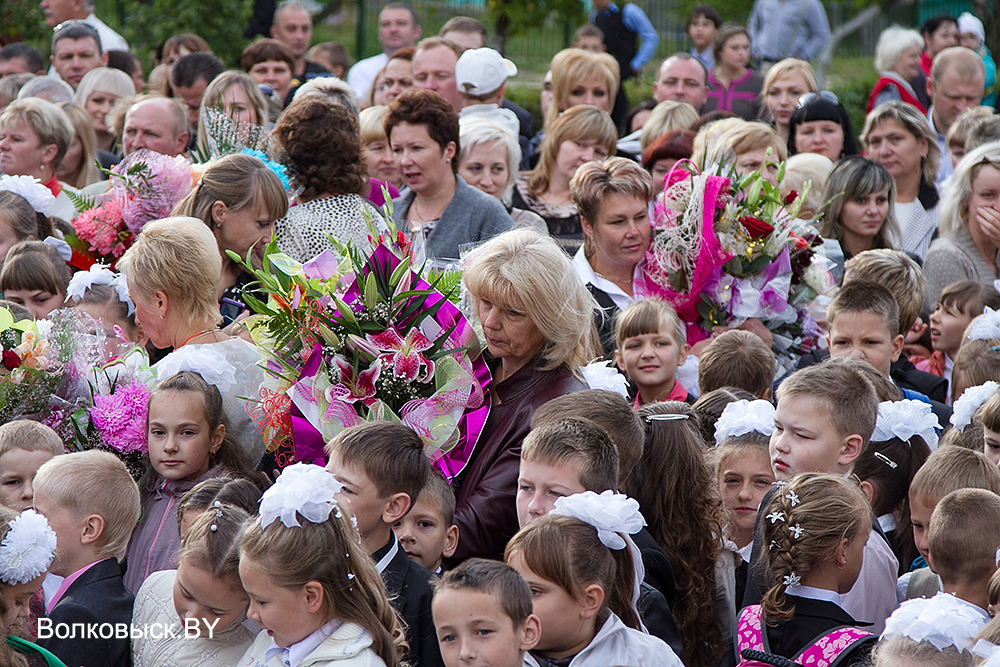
x,y
20,58
293,26
956,84
76,49
621,27
681,78
787,29
60,11
190,76
397,29
434,69
939,32
158,124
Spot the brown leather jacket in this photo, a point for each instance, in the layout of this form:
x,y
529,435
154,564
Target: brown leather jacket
x,y
485,512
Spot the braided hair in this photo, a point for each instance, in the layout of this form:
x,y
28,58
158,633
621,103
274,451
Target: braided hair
x,y
804,524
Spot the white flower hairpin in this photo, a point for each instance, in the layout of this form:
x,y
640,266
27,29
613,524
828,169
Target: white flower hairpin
x,y
304,489
28,549
941,620
776,516
32,189
792,580
742,417
905,419
984,327
601,375
970,401
99,275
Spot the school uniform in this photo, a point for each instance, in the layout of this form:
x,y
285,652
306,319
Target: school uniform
x,y
96,596
336,643
614,644
410,593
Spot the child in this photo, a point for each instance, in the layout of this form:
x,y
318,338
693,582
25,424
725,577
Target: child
x,y
311,602
817,527
902,651
740,359
967,425
863,321
204,592
993,595
186,428
944,622
652,344
480,76
977,362
35,276
92,504
589,38
382,467
24,447
709,408
958,304
702,24
241,493
103,295
989,417
583,590
947,469
482,613
887,466
18,219
428,532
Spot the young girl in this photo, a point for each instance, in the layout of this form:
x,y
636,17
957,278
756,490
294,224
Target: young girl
x,y
902,441
186,431
205,587
905,652
816,528
709,408
19,221
582,588
102,294
241,493
958,304
673,484
35,276
652,344
977,362
311,601
989,416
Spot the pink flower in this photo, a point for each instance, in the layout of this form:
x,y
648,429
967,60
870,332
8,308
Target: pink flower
x,y
353,388
120,418
103,229
404,354
156,183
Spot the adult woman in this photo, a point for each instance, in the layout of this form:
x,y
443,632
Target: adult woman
x,y
270,62
78,168
173,271
970,226
441,207
377,152
320,138
743,144
820,124
173,48
488,161
613,198
897,60
34,138
786,82
661,156
732,86
900,138
237,96
664,117
99,89
862,218
581,77
582,134
239,198
395,78
537,318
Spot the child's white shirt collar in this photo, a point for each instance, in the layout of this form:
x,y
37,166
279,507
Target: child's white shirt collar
x,y
811,593
293,655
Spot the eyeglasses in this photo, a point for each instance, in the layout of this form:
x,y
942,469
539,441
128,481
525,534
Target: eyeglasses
x,y
823,94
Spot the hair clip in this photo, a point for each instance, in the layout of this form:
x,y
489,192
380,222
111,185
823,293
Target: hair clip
x,y
350,575
213,528
776,516
664,418
792,579
797,531
792,497
774,545
885,459
780,486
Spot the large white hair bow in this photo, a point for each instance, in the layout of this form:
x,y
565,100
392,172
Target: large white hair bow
x,y
28,549
742,417
99,275
602,375
941,620
986,326
206,360
970,400
302,488
905,419
32,189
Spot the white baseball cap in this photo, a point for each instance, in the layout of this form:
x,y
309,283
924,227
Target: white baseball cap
x,y
482,71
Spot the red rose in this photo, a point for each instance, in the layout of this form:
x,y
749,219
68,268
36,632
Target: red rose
x,y
790,197
10,360
756,227
800,243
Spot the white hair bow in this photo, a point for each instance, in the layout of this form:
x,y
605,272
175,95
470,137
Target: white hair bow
x,y
304,489
32,189
28,549
601,375
941,620
99,275
986,326
905,419
970,400
742,417
65,252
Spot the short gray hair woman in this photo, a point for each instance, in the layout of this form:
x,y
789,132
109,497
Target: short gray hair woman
x,y
897,60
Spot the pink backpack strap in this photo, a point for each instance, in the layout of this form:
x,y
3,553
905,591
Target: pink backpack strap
x,y
826,650
749,632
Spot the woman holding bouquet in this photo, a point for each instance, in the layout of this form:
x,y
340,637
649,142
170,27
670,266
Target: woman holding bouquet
x,y
537,318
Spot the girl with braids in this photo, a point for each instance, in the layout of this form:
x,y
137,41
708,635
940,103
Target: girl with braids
x,y
673,484
815,528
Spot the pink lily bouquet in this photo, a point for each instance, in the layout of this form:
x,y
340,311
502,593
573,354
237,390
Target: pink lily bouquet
x,y
355,337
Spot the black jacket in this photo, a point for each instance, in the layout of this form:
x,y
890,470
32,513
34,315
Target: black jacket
x,y
410,593
812,620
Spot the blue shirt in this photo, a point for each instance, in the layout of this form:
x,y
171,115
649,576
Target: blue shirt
x,y
788,29
636,20
707,57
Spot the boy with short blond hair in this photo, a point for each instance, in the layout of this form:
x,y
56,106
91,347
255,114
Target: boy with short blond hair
x,y
92,504
963,540
737,359
24,446
428,532
483,595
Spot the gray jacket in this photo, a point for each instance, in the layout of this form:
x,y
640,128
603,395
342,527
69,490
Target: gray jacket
x,y
471,216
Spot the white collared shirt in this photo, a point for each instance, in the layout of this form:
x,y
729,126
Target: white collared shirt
x,y
293,655
620,298
811,593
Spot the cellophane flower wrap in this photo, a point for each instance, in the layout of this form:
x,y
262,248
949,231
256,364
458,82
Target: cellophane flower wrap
x,y
145,186
725,248
354,337
32,367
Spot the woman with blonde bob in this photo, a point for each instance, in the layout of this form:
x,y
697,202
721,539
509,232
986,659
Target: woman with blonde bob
x,y
970,226
750,146
537,319
786,82
897,60
665,117
98,91
581,77
173,270
376,150
581,135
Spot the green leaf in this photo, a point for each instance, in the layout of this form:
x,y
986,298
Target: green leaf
x,y
290,267
371,292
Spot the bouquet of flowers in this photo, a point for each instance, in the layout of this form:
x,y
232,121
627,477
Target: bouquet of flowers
x,y
725,249
354,338
32,366
145,186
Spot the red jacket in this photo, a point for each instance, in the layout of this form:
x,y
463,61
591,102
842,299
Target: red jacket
x,y
904,93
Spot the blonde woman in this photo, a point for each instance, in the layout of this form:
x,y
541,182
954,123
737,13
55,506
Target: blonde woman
x,y
78,168
377,153
98,91
786,82
581,77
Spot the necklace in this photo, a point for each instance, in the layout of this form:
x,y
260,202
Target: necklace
x,y
423,218
200,333
617,281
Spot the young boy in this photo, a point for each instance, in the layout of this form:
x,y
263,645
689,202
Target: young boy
x,y
382,467
702,24
946,470
481,76
652,344
428,532
737,359
24,446
482,614
92,504
589,38
963,540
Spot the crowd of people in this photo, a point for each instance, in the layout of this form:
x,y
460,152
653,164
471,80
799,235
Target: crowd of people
x,y
720,502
